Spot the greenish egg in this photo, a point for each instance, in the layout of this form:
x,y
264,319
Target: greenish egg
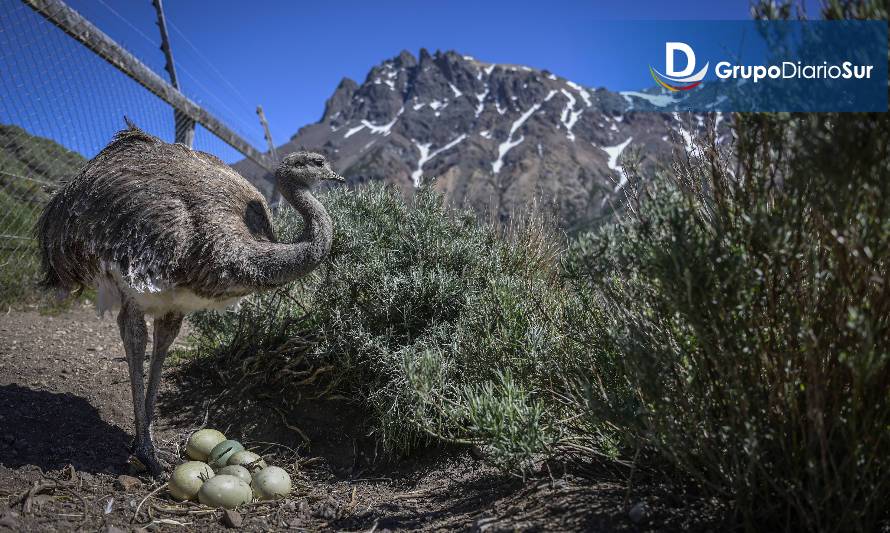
x,y
187,479
248,460
225,491
235,470
201,442
271,483
219,455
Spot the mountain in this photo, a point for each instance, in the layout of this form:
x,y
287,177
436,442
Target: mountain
x,y
495,136
28,156
29,167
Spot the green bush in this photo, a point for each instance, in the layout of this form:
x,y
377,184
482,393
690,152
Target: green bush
x,y
450,329
749,300
747,293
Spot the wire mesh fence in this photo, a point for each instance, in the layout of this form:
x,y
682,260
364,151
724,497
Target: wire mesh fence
x,y
60,104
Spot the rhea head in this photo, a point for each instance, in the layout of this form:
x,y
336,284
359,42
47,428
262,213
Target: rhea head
x,y
305,169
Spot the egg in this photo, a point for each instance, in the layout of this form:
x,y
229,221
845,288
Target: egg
x,y
201,442
225,491
187,479
219,455
235,470
271,483
248,460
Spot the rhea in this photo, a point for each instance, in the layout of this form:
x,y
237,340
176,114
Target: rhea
x,y
163,230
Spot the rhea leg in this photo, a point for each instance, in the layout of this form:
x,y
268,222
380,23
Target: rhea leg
x,y
166,328
131,321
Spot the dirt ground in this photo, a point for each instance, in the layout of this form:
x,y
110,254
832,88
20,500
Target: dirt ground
x,y
66,423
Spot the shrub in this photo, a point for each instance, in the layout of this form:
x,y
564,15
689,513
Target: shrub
x,y
448,328
748,297
747,293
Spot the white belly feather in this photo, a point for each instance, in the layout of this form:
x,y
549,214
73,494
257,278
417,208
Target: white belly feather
x,y
153,299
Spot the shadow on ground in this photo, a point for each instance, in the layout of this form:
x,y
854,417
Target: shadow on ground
x,y
324,425
51,430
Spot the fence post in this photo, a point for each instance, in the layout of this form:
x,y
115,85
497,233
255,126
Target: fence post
x,y
183,125
276,195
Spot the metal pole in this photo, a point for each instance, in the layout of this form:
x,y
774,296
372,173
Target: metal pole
x,y
183,125
276,194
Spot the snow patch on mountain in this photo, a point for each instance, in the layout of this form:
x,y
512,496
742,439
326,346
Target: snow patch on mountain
x,y
384,129
582,91
688,140
614,152
353,131
426,155
569,116
509,144
658,100
481,97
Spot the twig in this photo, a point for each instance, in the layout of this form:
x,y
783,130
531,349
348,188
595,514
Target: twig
x,y
290,426
149,495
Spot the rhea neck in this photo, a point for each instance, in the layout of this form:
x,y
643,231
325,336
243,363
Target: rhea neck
x,y
287,262
317,225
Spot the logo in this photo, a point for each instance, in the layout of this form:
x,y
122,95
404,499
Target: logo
x,y
683,80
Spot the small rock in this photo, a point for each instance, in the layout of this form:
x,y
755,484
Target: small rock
x,y
232,518
112,529
127,483
638,513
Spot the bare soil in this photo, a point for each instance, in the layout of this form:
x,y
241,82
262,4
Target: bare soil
x,y
66,423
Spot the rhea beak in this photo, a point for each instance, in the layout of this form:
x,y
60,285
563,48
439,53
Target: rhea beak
x,y
333,176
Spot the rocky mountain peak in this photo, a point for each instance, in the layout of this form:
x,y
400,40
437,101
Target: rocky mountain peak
x,y
495,135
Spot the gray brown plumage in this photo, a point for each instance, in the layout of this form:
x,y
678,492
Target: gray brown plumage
x,y
164,230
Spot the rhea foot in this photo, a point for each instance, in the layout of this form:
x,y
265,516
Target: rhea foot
x,y
145,458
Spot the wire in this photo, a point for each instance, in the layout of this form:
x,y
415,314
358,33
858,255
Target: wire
x,y
128,23
209,64
181,68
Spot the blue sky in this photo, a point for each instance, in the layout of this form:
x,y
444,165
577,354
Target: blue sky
x,y
290,55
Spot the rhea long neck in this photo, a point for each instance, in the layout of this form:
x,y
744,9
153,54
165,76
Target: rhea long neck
x,y
288,262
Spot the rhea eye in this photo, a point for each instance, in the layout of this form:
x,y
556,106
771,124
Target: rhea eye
x,y
318,162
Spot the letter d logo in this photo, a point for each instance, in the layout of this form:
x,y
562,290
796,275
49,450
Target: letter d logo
x,y
670,50
684,76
